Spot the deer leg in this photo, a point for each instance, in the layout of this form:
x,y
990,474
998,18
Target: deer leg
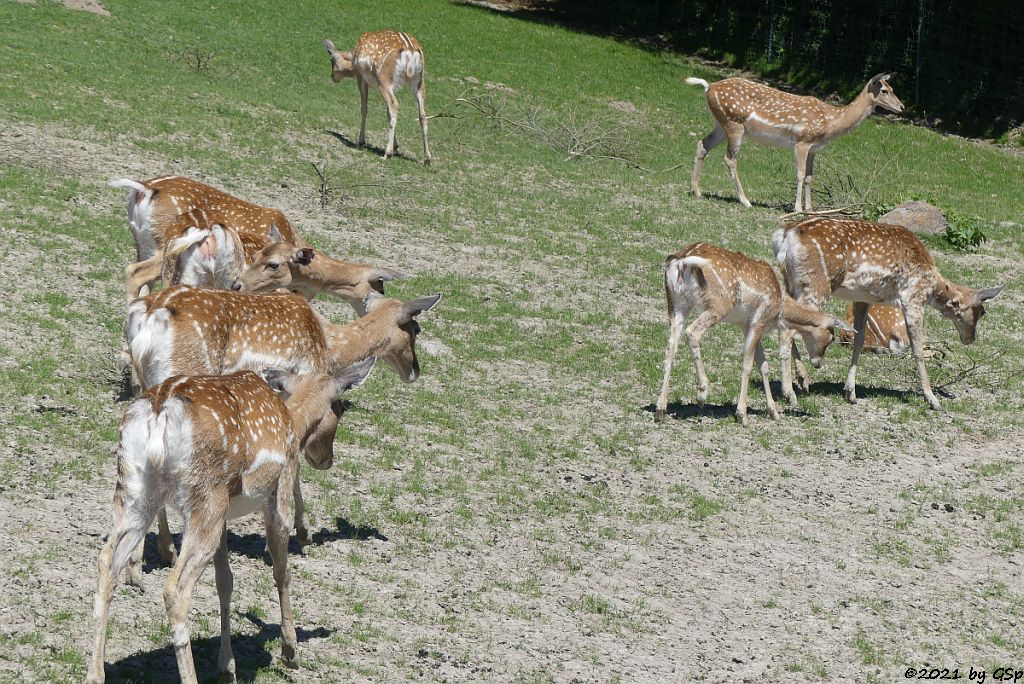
x,y
203,535
801,172
164,541
675,332
808,176
130,525
301,529
364,100
860,314
710,142
277,541
787,346
225,585
914,316
392,104
750,343
140,275
694,332
735,135
762,367
421,106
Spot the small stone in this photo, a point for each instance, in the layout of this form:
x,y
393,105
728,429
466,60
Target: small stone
x,y
917,216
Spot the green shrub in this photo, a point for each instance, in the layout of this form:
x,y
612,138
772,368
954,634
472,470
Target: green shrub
x,y
963,233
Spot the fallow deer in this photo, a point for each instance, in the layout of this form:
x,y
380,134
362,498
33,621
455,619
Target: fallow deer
x,y
773,117
386,60
216,448
192,331
869,263
308,272
729,287
885,329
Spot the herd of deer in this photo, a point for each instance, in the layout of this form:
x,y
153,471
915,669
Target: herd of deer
x,y
238,375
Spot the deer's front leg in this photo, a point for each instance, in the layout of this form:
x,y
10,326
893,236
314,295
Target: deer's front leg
x,y
762,367
164,540
915,330
802,151
710,142
787,345
301,529
225,585
694,332
808,177
734,133
422,107
364,97
860,315
392,104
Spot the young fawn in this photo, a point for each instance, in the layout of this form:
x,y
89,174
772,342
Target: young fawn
x,y
869,263
773,117
386,60
729,287
216,448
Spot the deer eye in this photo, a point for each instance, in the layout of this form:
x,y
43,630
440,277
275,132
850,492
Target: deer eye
x,y
272,266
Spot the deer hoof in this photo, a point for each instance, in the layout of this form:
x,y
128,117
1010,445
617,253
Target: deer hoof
x,y
659,416
302,536
745,202
227,677
774,414
741,418
426,162
289,656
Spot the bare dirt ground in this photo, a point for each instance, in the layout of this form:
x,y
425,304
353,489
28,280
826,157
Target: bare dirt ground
x,y
694,552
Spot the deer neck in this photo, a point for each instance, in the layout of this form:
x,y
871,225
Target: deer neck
x,y
328,275
852,115
351,343
794,315
303,408
945,292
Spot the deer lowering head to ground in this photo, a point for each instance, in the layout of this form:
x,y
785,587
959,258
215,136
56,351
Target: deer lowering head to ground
x,y
773,117
386,60
729,287
215,448
885,329
190,331
870,263
309,272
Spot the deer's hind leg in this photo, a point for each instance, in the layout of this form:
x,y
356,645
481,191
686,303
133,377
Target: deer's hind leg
x,y
710,142
734,134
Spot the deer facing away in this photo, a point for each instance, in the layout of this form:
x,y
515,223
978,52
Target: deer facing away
x,y
869,263
386,60
729,287
216,448
773,117
192,331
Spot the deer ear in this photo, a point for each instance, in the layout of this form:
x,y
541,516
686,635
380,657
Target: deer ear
x,y
274,234
303,256
840,324
386,274
281,381
330,46
415,307
988,293
353,376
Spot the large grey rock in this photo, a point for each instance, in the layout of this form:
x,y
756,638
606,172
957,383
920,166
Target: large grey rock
x,y
919,217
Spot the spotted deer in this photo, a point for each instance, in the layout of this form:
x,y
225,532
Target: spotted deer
x,y
386,60
191,331
773,117
729,287
870,263
216,448
885,329
308,272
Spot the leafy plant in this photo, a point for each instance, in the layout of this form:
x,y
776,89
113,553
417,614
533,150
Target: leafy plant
x,y
963,233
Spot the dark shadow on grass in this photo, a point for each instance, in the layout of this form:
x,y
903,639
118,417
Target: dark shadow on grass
x,y
379,151
864,391
731,199
251,655
122,387
680,410
254,545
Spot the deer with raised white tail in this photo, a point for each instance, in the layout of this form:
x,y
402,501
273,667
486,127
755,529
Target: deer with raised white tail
x,y
870,263
773,117
729,287
386,60
215,448
308,272
191,331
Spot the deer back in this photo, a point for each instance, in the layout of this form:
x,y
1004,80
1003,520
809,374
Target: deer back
x,y
388,57
722,280
767,111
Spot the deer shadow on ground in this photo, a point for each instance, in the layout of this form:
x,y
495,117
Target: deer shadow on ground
x,y
731,199
251,654
379,151
869,392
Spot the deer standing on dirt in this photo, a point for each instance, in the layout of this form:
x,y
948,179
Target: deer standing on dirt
x,y
773,117
729,287
191,331
308,272
868,263
216,448
885,329
386,60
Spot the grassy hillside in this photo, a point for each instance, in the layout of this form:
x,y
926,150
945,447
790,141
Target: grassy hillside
x,y
515,515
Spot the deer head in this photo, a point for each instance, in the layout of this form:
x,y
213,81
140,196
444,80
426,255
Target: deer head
x,y
314,401
272,267
964,307
342,65
882,95
814,327
398,349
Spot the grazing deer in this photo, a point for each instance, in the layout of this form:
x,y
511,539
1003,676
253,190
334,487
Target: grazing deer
x,y
309,272
729,287
387,60
773,117
216,448
885,329
156,208
190,331
868,263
